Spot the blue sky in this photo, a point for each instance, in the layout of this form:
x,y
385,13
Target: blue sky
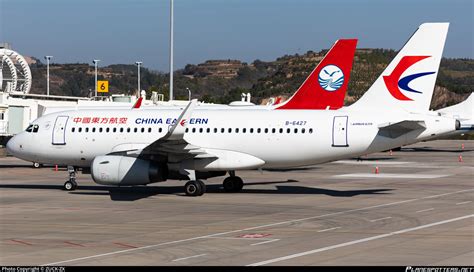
x,y
124,31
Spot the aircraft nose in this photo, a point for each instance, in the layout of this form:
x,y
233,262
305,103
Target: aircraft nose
x,y
13,147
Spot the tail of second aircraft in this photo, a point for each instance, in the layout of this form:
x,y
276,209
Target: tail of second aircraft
x,y
408,81
326,86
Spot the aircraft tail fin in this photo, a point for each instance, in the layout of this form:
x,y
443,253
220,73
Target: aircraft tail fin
x,y
326,86
408,81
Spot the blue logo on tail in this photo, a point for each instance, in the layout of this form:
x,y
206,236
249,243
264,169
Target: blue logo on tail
x,y
331,78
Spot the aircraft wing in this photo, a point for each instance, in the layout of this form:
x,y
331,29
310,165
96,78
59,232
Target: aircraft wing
x,y
173,145
397,129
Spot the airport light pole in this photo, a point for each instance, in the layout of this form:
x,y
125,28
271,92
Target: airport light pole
x,y
171,50
48,58
189,93
138,63
95,64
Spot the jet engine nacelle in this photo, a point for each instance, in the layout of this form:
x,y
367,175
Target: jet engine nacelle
x,y
121,170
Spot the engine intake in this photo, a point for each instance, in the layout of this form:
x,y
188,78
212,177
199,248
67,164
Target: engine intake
x,y
121,170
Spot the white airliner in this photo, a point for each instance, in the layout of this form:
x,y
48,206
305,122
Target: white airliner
x,y
142,146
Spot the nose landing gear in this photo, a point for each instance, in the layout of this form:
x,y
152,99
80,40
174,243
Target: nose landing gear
x,y
71,184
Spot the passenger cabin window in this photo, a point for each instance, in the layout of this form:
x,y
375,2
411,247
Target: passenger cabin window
x,y
258,130
200,130
160,130
93,129
208,130
143,130
79,129
237,130
186,130
135,130
215,130
107,129
73,129
244,130
100,129
87,129
310,130
121,129
128,130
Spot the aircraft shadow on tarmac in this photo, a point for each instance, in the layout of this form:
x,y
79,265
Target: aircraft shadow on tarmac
x,y
430,149
140,192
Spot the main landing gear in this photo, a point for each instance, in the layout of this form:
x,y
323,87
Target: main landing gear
x,y
71,184
196,187
233,183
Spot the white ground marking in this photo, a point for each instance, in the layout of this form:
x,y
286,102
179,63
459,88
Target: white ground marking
x,y
324,230
185,258
371,162
265,242
380,219
389,175
251,228
292,256
425,210
462,203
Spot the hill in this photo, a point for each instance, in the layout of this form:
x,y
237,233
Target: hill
x,y
222,81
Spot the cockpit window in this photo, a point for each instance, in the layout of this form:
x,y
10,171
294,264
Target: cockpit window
x,y
29,128
35,128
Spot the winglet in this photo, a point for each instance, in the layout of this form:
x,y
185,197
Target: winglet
x,y
177,130
138,103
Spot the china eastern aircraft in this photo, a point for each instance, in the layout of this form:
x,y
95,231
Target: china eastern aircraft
x,y
142,146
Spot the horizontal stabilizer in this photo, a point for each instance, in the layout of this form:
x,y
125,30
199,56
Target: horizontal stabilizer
x,y
395,130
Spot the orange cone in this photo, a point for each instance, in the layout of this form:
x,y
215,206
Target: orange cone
x,y
460,158
376,169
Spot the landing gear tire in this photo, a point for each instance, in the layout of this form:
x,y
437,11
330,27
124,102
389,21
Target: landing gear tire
x,y
233,184
194,188
70,185
37,165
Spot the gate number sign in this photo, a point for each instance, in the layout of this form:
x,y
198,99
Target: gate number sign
x,y
102,86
